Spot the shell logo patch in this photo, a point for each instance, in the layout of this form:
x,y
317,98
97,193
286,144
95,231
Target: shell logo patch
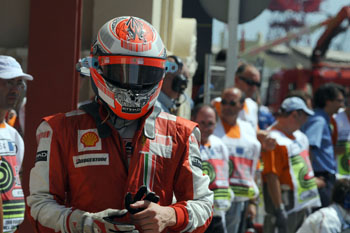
x,y
88,140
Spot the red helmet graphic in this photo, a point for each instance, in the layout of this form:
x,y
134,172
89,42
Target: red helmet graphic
x,y
129,63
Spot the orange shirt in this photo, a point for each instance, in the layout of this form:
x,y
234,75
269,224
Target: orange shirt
x,y
276,161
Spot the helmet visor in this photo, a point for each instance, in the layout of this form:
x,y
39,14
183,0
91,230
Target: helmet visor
x,y
132,72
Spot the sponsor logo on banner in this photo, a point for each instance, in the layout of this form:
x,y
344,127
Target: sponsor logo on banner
x,y
88,140
91,160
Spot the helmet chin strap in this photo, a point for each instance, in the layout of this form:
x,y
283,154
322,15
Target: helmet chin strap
x,y
117,122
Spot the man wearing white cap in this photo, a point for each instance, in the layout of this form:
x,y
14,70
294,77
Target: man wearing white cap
x,y
289,183
12,81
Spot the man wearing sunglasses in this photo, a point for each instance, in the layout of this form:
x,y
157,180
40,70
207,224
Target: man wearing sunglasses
x,y
11,145
247,79
244,150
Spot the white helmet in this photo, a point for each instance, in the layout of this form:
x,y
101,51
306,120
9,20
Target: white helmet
x,y
128,66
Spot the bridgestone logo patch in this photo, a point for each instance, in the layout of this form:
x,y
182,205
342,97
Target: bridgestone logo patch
x,y
90,160
41,156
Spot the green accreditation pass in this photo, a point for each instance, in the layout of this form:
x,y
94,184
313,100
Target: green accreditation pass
x,y
305,179
241,177
343,160
215,169
218,180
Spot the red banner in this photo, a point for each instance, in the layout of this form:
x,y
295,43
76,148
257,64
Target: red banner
x,y
295,5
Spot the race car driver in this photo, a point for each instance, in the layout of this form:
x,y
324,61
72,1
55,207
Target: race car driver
x,y
91,162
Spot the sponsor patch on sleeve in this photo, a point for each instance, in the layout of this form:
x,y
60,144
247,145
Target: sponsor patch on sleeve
x,y
41,156
197,162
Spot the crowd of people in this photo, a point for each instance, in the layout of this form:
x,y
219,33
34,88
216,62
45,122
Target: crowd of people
x,y
125,162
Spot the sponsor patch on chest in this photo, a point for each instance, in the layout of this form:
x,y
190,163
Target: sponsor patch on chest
x,y
7,147
88,140
91,160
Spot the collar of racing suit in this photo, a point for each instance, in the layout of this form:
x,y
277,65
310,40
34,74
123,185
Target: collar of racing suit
x,y
97,111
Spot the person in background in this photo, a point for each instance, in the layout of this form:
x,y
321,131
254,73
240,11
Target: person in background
x,y
115,164
174,85
265,117
342,147
289,184
247,79
244,151
334,218
215,160
328,99
12,82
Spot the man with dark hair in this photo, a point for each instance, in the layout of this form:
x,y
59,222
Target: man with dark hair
x,y
327,100
328,92
334,218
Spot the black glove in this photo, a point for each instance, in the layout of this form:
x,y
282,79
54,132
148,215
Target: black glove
x,y
150,196
281,220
